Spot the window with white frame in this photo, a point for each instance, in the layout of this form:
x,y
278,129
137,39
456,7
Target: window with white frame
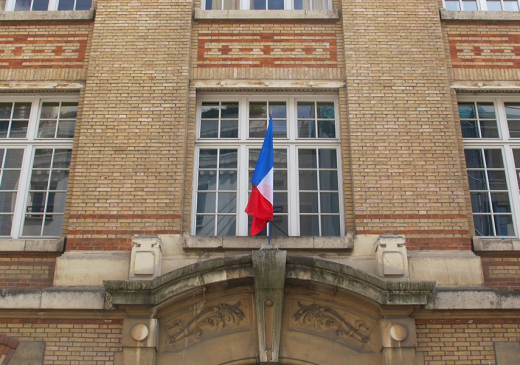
x,y
491,132
483,5
44,5
307,184
267,4
36,136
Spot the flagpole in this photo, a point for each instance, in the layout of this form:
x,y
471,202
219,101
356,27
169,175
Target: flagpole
x,y
269,227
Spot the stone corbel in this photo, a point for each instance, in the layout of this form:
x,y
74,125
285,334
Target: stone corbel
x,y
392,260
399,340
140,341
145,262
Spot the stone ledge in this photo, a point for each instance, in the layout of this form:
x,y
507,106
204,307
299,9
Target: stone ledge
x,y
266,14
284,243
53,298
480,15
32,245
496,244
467,298
9,16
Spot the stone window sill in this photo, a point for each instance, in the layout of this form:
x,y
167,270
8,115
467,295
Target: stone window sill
x,y
495,244
46,15
480,15
285,243
266,14
32,245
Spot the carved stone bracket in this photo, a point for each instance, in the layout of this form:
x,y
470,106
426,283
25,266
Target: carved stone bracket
x,y
216,318
325,319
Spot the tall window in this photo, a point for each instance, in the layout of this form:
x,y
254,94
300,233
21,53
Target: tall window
x,y
35,152
43,5
267,4
484,5
307,191
491,133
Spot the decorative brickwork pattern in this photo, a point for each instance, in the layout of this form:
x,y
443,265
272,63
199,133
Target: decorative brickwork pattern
x,y
8,346
44,50
127,173
406,178
484,51
269,49
70,341
467,341
501,271
31,271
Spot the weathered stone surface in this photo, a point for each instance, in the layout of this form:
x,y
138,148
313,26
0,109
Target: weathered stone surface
x,y
507,353
29,353
47,15
475,298
479,15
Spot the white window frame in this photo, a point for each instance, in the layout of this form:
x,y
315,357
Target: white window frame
x,y
503,143
30,144
53,5
245,5
243,143
481,5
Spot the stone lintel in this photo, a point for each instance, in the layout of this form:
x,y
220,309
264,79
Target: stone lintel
x,y
53,298
496,244
485,86
200,14
474,298
480,15
32,245
66,15
267,84
35,86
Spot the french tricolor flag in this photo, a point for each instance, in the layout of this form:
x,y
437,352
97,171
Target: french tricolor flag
x,y
260,204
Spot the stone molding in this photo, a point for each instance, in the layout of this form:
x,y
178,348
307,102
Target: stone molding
x,y
286,243
298,268
480,15
32,245
496,244
53,298
474,298
200,14
47,15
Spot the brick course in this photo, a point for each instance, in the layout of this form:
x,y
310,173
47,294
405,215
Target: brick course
x,y
464,341
31,271
70,341
501,271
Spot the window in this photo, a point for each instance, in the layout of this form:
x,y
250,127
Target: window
x,y
307,184
485,5
267,4
42,5
491,133
35,152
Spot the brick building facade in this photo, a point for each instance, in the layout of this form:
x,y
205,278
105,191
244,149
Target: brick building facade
x,y
128,134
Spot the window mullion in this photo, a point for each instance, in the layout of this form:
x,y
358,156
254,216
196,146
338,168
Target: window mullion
x,y
512,183
23,191
293,198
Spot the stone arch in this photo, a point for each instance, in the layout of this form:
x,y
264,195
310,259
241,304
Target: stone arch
x,y
267,307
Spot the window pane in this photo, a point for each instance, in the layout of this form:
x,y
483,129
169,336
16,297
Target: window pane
x,y
469,5
514,128
4,127
328,180
39,180
474,159
480,203
228,159
309,225
209,129
512,110
301,4
326,110
36,202
50,110
483,225
59,180
227,180
328,159
257,128
308,180
330,225
205,225
69,110
66,129
56,203
275,4
40,5
208,159
510,5
469,128
258,110
452,5
32,225
494,159
7,201
210,110
504,225
62,159
329,202
13,159
306,129
18,129
5,110
47,129
229,129
306,110
279,129
486,110
280,226
257,5
42,159
489,129
497,180
500,202
280,180
467,111
22,5
280,203
477,180
326,129
6,222
226,225
307,158
10,180
207,180
206,202
53,225
227,202
493,5
280,159
309,203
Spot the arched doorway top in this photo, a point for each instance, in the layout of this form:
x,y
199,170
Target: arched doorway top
x,y
239,268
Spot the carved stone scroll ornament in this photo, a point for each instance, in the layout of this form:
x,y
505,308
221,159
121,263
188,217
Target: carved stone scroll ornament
x,y
324,319
216,317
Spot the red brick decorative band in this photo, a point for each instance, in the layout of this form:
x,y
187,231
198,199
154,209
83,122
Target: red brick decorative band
x,y
411,216
125,216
